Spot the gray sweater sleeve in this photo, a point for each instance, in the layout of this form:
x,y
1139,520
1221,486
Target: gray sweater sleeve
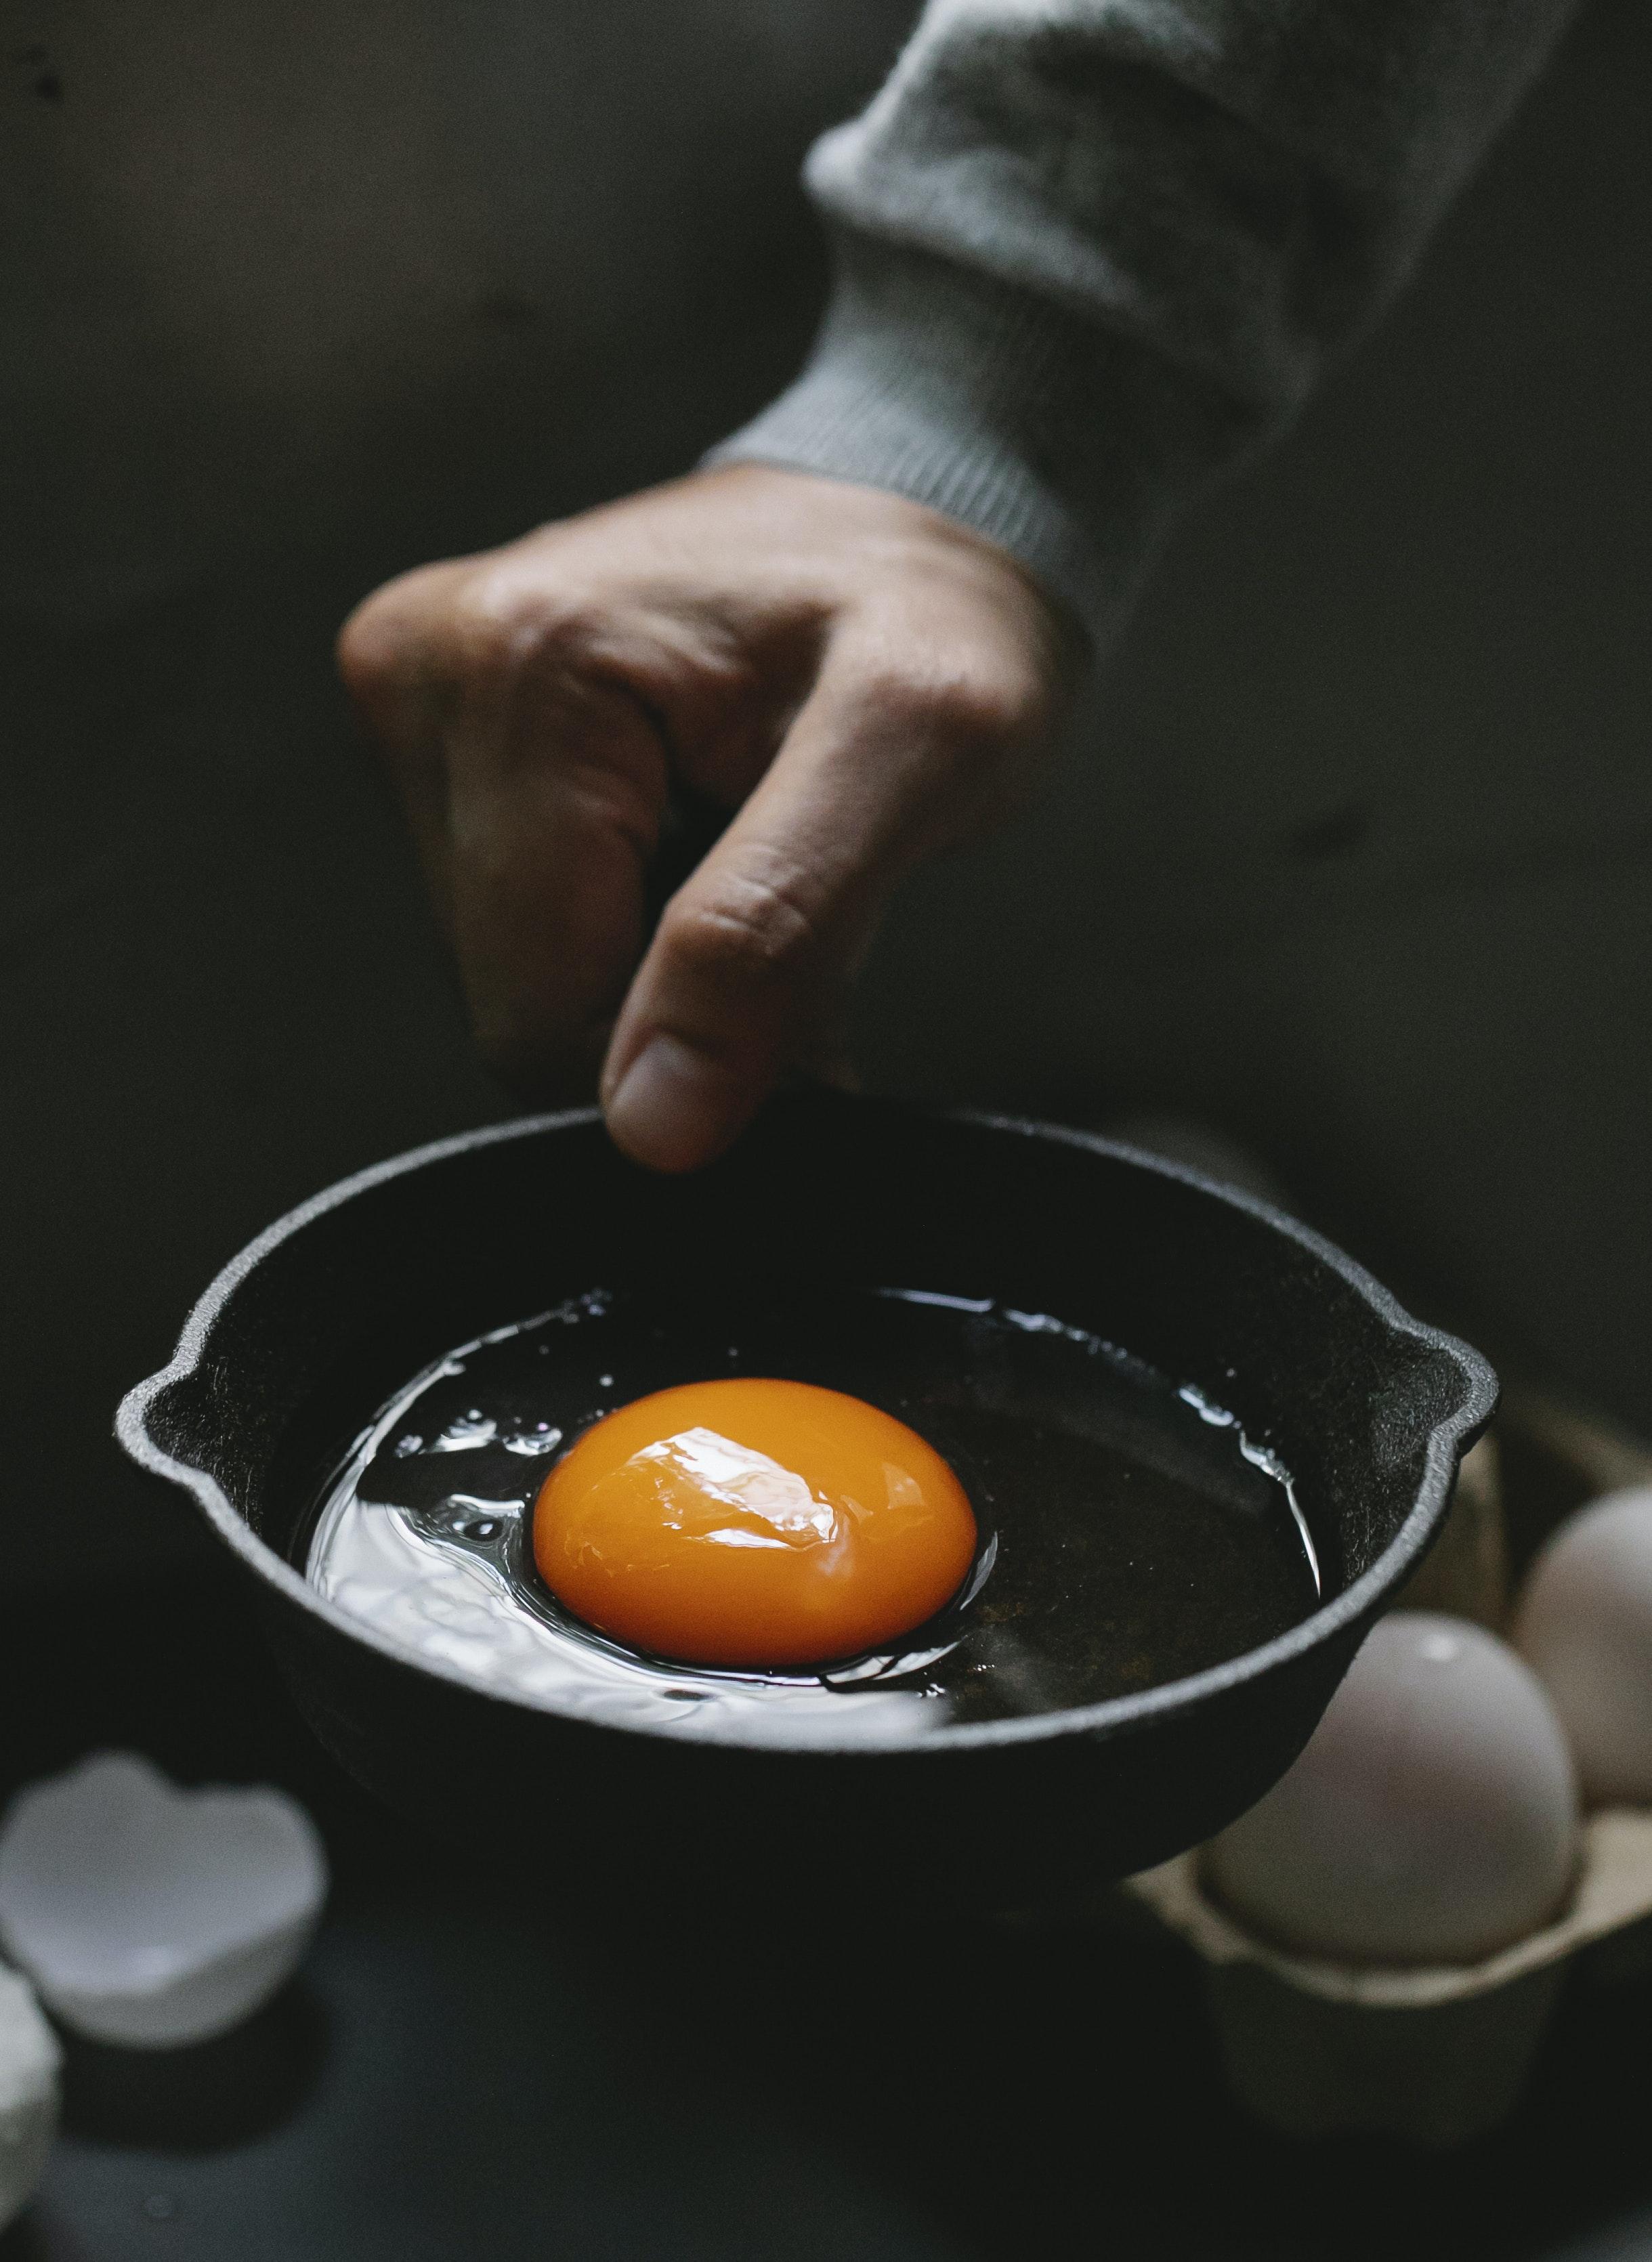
x,y
1089,253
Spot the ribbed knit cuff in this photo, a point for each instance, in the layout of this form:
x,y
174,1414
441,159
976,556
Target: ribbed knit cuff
x,y
1070,449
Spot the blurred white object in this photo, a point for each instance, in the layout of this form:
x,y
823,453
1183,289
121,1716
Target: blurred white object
x,y
29,2060
1584,1625
151,1916
1433,1819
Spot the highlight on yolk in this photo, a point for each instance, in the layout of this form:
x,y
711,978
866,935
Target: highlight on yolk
x,y
747,1522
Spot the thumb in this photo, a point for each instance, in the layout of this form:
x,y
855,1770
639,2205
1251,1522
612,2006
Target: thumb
x,y
753,954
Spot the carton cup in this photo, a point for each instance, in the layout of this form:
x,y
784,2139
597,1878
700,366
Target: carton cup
x,y
1435,2055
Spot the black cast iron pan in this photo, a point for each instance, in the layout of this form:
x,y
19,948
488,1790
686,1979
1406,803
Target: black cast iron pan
x,y
305,1333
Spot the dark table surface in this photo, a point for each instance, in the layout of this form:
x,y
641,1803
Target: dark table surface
x,y
470,2065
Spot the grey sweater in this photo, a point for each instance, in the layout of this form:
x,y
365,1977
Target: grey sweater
x,y
1090,253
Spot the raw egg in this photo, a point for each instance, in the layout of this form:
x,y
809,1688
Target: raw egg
x,y
1584,1625
752,1523
1433,1818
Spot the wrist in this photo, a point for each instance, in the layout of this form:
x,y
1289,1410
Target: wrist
x,y
996,408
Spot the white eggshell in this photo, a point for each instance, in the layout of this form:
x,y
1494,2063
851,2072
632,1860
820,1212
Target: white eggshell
x,y
29,2061
1431,1820
1584,1625
152,1916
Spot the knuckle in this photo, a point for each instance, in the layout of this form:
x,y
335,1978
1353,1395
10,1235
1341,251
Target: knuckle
x,y
373,644
486,635
757,929
500,625
901,695
989,698
982,698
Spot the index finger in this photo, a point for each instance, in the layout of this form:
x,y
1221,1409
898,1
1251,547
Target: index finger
x,y
535,785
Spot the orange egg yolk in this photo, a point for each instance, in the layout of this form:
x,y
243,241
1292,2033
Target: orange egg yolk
x,y
746,1523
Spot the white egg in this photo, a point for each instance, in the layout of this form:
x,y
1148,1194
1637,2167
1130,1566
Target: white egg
x,y
1433,1818
1584,1625
29,2065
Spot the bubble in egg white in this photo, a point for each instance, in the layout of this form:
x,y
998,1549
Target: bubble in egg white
x,y
1584,1625
1431,1820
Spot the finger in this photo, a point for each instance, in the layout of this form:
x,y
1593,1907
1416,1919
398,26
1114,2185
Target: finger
x,y
534,782
387,654
555,787
754,952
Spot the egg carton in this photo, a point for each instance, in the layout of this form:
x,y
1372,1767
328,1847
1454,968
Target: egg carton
x,y
1436,2056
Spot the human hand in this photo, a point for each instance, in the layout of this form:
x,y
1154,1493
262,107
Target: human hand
x,y
865,681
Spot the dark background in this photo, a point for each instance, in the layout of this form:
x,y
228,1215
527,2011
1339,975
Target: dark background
x,y
1351,858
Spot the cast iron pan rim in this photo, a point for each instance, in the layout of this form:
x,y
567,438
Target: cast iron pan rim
x,y
1120,1714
